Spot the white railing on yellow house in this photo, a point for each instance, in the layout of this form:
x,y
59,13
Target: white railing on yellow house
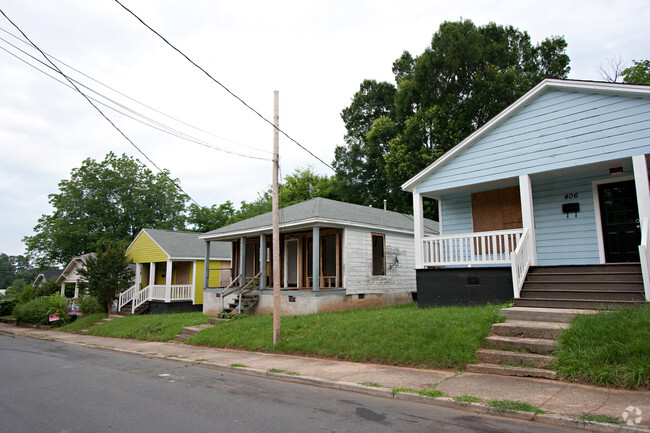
x,y
644,257
502,247
125,297
160,292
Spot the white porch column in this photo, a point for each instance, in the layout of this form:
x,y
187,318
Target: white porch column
x,y
193,282
642,185
76,289
206,267
262,262
152,273
138,276
168,282
315,267
527,214
242,262
63,290
418,229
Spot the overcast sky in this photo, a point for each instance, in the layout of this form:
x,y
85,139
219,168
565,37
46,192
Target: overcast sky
x,y
315,53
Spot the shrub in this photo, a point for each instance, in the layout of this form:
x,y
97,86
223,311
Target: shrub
x,y
37,311
90,305
6,306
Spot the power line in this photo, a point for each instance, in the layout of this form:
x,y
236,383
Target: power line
x,y
160,126
97,108
223,86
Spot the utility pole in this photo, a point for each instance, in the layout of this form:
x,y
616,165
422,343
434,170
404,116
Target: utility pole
x,y
276,220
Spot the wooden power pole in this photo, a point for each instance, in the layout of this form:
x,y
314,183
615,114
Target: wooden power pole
x,y
276,220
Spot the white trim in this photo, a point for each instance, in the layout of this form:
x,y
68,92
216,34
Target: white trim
x,y
642,185
193,293
599,222
547,84
528,215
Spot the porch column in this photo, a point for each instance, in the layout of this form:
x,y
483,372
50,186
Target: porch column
x,y
206,266
242,262
642,185
527,214
152,273
262,262
193,282
76,289
315,267
418,229
138,276
63,290
168,282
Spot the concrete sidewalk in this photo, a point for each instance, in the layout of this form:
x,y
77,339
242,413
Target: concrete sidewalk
x,y
564,402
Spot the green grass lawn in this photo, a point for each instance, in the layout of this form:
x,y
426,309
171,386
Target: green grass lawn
x,y
152,327
403,335
83,323
608,349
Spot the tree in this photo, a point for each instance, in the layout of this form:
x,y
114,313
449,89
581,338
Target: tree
x,y
204,219
15,271
467,76
107,273
639,73
103,202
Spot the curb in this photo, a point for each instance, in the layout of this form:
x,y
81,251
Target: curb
x,y
446,402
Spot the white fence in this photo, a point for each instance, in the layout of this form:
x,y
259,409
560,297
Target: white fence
x,y
180,292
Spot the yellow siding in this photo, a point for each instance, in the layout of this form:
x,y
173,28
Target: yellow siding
x,y
215,278
145,250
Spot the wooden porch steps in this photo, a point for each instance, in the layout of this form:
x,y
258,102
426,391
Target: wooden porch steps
x,y
126,309
248,301
583,286
523,345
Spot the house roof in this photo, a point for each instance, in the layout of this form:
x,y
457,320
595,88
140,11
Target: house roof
x,y
543,87
186,245
322,212
48,274
74,263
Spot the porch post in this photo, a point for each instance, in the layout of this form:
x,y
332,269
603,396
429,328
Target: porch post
x,y
262,262
193,282
206,266
642,185
242,261
138,276
76,289
168,282
63,289
528,215
418,229
152,273
315,267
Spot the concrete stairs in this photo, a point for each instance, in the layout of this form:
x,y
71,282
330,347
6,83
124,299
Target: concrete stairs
x,y
190,331
248,301
523,345
582,287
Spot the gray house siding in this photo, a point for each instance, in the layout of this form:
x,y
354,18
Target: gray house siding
x,y
555,131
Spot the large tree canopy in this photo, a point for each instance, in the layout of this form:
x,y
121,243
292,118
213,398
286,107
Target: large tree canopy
x,y
639,73
467,75
105,202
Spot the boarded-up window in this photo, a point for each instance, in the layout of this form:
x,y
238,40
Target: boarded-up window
x,y
499,209
378,254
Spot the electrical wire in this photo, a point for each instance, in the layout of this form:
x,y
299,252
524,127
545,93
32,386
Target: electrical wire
x,y
97,108
223,86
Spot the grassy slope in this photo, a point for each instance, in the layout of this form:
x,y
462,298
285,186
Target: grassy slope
x,y
152,327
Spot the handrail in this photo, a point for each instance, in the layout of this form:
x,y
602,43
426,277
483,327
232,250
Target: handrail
x,y
125,297
644,257
521,260
247,289
466,249
230,288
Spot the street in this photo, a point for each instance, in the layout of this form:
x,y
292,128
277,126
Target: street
x,y
55,387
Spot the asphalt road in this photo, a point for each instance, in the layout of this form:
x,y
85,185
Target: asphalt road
x,y
56,387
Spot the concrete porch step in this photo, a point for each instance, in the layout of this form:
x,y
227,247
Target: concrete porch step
x,y
190,331
529,329
506,370
541,314
533,345
502,357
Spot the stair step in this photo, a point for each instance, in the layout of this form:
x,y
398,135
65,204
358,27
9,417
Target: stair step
x,y
594,277
502,357
190,331
570,284
576,269
542,314
533,345
569,292
529,329
592,304
506,370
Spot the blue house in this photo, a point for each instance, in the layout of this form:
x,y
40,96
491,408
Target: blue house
x,y
548,203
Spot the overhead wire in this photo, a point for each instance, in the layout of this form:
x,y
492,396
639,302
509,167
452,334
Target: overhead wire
x,y
223,86
97,108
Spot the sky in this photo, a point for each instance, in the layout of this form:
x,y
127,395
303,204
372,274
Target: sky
x,y
314,53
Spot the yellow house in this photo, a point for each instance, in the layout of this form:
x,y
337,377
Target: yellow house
x,y
169,271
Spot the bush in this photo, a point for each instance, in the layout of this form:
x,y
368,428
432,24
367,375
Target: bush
x,y
6,306
37,311
90,305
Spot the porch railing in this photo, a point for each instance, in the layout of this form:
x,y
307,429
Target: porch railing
x,y
125,297
482,248
159,292
644,257
521,261
232,288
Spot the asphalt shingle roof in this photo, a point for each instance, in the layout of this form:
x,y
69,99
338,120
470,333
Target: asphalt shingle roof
x,y
188,245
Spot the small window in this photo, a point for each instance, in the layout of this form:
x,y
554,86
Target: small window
x,y
378,254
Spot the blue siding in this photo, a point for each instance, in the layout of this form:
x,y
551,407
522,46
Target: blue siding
x,y
457,214
557,130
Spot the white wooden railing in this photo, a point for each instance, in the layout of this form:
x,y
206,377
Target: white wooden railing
x,y
521,261
125,297
159,292
644,257
483,248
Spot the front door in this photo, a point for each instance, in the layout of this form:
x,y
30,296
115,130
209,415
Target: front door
x,y
620,218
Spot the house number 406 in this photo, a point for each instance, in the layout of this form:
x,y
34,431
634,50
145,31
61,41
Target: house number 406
x,y
571,196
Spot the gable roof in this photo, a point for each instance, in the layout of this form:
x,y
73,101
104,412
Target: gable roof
x,y
185,245
75,263
322,212
543,87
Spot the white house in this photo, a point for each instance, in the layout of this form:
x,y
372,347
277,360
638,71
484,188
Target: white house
x,y
70,277
364,258
556,184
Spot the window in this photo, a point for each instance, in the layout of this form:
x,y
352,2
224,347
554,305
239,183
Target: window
x,y
378,254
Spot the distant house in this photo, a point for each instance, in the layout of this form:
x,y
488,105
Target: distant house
x,y
333,256
47,275
69,278
169,269
556,184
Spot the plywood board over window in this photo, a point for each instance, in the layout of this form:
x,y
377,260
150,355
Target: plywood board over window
x,y
499,209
